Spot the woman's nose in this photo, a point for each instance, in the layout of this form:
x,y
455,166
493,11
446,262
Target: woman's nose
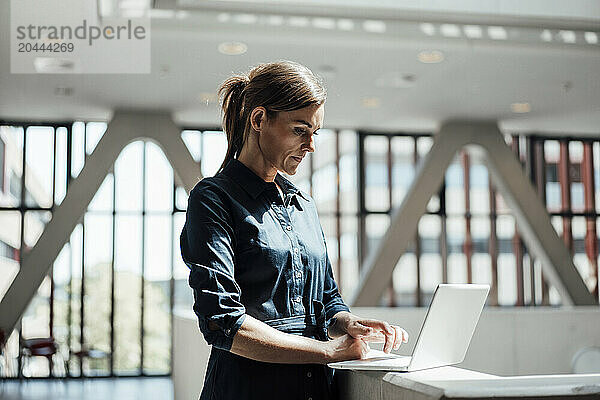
x,y
310,144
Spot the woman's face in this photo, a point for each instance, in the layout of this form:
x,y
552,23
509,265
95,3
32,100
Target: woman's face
x,y
288,137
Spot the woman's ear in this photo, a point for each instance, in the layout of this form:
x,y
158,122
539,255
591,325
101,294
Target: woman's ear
x,y
258,118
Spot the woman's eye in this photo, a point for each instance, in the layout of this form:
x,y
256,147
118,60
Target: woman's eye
x,y
300,131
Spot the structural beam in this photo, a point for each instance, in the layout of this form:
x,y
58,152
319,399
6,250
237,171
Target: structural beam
x,y
124,128
508,176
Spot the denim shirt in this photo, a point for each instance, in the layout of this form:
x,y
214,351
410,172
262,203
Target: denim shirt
x,y
250,252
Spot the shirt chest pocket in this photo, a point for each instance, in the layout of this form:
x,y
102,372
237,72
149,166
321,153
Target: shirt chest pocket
x,y
262,245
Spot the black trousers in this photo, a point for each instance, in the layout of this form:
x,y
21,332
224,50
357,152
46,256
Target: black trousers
x,y
229,376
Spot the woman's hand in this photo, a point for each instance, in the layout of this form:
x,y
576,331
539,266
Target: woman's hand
x,y
345,348
371,330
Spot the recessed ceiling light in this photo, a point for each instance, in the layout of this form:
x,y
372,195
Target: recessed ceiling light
x,y
298,21
473,31
233,48
324,23
245,18
497,32
427,28
450,30
546,35
374,26
275,20
182,14
223,17
567,36
370,102
431,57
591,37
520,108
345,24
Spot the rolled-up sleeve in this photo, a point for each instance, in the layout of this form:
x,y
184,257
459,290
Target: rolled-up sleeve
x,y
207,249
331,296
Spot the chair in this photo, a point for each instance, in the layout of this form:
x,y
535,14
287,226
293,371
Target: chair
x,y
40,347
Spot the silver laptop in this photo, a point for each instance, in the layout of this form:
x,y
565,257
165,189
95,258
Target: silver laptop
x,y
445,334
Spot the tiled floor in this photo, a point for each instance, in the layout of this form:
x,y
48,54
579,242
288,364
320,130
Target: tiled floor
x,y
88,389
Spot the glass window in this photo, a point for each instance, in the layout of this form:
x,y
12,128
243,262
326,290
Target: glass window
x,y
97,287
60,183
403,155
94,132
193,142
77,148
103,199
157,294
10,242
376,173
214,148
128,284
159,180
349,255
128,175
39,169
2,166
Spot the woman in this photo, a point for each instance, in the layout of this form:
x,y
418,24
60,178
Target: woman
x,y
264,292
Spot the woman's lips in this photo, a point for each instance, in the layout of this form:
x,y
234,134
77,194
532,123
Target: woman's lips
x,y
297,158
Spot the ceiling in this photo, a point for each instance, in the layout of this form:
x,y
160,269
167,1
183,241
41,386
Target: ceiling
x,y
372,73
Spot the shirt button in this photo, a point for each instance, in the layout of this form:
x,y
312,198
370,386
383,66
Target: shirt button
x,y
288,228
296,250
298,274
309,374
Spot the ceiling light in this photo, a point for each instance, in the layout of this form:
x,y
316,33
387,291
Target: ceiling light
x,y
427,28
473,31
546,35
374,26
567,36
275,20
245,19
431,57
497,32
323,23
181,14
223,17
298,21
370,102
233,48
345,24
520,108
449,30
591,37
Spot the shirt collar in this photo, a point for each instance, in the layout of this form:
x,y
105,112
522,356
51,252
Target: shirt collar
x,y
254,184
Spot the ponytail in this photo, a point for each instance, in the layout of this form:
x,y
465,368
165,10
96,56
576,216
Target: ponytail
x,y
231,93
278,86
